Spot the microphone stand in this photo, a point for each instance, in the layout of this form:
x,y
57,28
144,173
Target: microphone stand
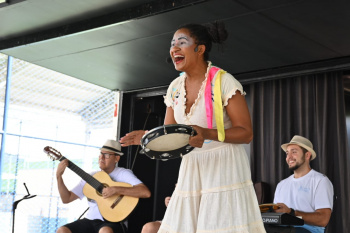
x,y
14,206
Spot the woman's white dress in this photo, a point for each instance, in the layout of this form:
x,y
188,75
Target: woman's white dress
x,y
214,192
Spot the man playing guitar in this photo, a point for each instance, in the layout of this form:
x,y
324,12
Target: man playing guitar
x,y
95,221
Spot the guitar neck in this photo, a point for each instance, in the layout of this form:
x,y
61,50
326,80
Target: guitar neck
x,y
85,176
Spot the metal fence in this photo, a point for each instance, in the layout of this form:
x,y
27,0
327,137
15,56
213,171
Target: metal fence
x,y
46,108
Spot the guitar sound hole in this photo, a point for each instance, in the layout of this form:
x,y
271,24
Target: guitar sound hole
x,y
104,186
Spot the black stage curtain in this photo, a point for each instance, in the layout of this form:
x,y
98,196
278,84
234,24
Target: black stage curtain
x,y
311,106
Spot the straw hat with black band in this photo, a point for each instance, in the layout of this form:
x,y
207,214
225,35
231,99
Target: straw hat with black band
x,y
302,142
112,146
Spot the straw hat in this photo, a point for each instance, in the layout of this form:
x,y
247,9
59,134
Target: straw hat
x,y
303,142
112,146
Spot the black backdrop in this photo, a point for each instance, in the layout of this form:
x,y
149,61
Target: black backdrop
x,y
312,106
147,111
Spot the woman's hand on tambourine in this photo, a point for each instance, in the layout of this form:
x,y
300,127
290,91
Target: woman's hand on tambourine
x,y
132,138
198,139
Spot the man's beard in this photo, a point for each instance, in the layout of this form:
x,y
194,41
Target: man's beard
x,y
298,165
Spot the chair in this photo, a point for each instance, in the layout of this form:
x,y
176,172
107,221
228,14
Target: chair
x,y
335,197
263,192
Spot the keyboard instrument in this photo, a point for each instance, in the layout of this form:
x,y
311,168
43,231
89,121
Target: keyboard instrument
x,y
281,219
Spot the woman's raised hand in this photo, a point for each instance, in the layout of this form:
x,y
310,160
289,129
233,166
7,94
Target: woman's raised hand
x,y
132,138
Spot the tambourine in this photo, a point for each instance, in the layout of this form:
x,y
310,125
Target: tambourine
x,y
167,141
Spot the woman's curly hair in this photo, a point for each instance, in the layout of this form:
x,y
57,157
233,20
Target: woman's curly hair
x,y
207,34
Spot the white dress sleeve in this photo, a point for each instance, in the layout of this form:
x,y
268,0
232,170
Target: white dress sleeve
x,y
173,92
229,87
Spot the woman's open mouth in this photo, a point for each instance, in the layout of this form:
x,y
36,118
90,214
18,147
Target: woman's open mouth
x,y
178,58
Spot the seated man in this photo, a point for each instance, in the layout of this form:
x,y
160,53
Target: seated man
x,y
153,227
94,221
306,193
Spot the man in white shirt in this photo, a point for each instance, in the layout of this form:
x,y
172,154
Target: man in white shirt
x,y
307,193
94,221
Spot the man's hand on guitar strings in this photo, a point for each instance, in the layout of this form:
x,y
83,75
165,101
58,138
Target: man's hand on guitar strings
x,y
108,192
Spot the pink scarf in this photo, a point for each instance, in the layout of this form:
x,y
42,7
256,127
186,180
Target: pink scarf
x,y
215,72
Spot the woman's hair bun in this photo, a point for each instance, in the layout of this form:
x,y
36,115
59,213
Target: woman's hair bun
x,y
217,31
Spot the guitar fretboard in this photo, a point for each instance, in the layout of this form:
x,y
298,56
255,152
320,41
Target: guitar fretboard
x,y
85,176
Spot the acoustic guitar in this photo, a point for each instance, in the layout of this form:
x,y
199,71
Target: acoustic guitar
x,y
115,208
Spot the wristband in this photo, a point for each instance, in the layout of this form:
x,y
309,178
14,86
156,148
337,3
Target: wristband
x,y
292,212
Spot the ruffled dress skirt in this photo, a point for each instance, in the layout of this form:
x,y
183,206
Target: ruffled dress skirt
x,y
214,193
